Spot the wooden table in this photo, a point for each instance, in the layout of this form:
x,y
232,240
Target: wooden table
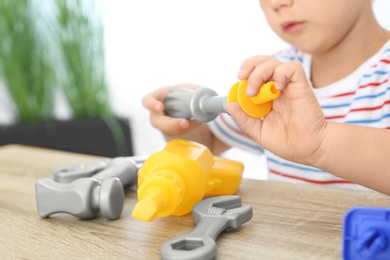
x,y
290,221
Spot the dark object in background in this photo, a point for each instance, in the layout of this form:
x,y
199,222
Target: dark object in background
x,y
88,135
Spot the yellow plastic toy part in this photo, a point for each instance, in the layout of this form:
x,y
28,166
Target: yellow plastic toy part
x,y
258,106
173,180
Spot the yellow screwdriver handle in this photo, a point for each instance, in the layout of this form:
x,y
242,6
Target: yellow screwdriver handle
x,y
258,106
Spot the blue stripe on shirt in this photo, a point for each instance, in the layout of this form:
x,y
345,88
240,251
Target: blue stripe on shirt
x,y
232,137
377,72
296,166
286,57
357,98
373,96
368,121
336,106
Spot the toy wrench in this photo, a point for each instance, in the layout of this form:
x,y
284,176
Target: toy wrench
x,y
212,216
123,168
72,172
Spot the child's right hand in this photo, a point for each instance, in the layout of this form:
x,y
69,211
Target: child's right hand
x,y
296,127
169,126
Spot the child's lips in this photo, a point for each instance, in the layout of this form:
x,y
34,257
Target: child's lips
x,y
291,27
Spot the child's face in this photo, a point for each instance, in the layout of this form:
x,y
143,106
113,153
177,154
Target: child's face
x,y
314,26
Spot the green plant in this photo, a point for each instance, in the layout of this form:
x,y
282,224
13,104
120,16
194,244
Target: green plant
x,y
80,34
26,63
59,47
40,54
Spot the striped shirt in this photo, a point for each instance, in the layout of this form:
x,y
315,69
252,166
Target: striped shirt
x,y
361,98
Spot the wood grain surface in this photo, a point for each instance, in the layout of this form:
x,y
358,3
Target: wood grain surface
x,y
290,221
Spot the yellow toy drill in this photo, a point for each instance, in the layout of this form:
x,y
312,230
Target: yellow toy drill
x,y
173,180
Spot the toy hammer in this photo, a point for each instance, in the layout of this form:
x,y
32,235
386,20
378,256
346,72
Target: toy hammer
x,y
82,190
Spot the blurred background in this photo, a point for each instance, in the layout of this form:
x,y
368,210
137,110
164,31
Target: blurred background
x,y
147,44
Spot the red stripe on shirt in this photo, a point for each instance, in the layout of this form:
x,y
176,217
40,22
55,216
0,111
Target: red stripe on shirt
x,y
344,94
381,61
359,110
370,108
374,84
334,117
309,180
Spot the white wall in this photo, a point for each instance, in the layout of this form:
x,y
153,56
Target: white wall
x,y
151,43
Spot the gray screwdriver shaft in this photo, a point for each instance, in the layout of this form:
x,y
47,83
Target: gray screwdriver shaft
x,y
202,104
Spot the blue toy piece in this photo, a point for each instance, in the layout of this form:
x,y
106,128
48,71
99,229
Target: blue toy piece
x,y
366,234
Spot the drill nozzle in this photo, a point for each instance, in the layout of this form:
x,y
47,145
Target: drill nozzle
x,y
145,210
157,198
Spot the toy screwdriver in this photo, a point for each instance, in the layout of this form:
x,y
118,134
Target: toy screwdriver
x,y
173,180
203,104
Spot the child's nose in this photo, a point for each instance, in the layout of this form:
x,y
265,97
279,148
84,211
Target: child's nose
x,y
278,4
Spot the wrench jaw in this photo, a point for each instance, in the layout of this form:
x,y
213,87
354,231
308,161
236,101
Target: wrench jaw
x,y
212,216
222,205
239,216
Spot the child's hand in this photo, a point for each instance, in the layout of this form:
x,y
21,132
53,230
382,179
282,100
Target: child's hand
x,y
169,126
295,127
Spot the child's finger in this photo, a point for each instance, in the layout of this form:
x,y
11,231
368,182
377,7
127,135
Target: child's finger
x,y
289,72
249,65
261,74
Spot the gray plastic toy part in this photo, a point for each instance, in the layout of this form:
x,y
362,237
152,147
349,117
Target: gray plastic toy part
x,y
120,168
123,168
69,173
212,216
84,189
82,198
202,104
